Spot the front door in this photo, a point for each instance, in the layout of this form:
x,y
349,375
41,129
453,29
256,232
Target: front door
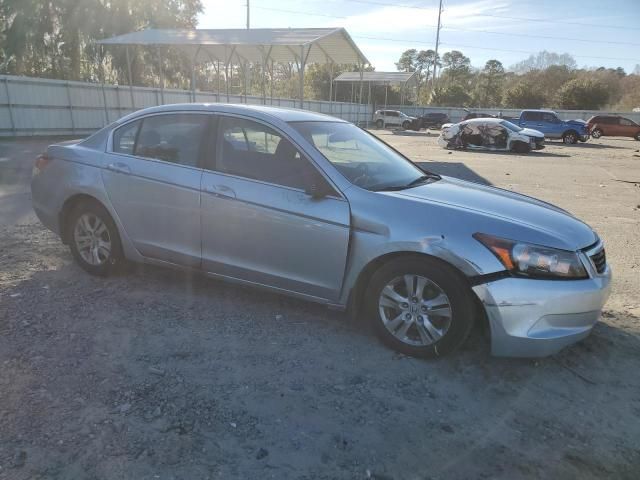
x,y
152,175
259,225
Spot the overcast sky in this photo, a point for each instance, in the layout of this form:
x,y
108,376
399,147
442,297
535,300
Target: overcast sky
x,y
595,32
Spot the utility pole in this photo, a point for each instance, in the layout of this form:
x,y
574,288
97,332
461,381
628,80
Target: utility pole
x,y
247,14
435,62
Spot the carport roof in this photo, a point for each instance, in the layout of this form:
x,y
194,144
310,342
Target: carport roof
x,y
320,45
380,78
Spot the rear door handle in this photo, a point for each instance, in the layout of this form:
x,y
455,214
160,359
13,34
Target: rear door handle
x,y
119,167
220,191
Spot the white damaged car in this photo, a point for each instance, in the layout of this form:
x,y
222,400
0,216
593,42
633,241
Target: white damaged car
x,y
493,134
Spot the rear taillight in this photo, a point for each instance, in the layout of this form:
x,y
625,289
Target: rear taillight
x,y
41,162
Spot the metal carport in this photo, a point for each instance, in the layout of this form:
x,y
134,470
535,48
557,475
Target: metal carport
x,y
242,47
403,79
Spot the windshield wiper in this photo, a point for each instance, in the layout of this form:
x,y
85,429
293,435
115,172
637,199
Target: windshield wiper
x,y
413,183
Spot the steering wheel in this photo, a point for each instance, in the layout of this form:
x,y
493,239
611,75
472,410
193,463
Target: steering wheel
x,y
361,177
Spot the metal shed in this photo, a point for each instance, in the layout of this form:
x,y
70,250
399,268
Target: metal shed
x,y
402,79
242,47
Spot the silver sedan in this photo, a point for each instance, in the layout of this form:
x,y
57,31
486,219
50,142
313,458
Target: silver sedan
x,y
312,206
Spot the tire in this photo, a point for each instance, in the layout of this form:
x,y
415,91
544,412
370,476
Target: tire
x,y
406,124
638,136
97,253
570,137
521,147
379,123
596,133
408,327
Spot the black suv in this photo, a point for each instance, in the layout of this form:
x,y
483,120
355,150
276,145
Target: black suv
x,y
432,120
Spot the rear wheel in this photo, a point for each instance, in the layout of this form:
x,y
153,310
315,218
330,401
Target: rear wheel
x,y
596,133
419,307
570,137
93,239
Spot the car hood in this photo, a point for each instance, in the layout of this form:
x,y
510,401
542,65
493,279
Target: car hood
x,y
560,228
530,132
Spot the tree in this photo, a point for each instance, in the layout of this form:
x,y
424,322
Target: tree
x,y
523,95
583,94
450,96
488,92
457,67
544,60
407,61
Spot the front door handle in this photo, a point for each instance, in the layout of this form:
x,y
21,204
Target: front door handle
x,y
119,167
220,191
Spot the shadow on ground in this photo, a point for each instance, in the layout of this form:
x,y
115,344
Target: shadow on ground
x,y
454,169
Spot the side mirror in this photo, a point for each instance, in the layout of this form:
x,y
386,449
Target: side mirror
x,y
318,188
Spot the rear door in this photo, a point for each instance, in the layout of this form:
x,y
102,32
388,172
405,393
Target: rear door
x,y
627,128
152,176
258,223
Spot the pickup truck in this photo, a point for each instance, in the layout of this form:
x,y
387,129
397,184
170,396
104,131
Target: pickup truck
x,y
548,122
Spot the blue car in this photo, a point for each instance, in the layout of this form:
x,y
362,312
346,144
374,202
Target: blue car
x,y
548,122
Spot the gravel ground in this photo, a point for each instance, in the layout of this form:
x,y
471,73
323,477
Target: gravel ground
x,y
158,374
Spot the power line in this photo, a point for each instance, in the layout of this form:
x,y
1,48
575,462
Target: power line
x,y
540,36
548,37
298,12
507,17
472,47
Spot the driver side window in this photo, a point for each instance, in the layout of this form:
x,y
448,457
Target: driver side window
x,y
255,151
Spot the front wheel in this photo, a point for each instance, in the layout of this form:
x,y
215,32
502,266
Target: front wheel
x,y
379,123
570,138
521,147
596,133
638,136
420,307
406,124
93,239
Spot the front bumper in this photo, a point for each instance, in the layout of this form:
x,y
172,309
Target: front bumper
x,y
535,318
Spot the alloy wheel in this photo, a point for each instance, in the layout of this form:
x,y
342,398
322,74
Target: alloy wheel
x,y
92,239
415,310
570,138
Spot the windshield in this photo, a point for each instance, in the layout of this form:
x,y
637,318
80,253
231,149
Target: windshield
x,y
511,126
362,158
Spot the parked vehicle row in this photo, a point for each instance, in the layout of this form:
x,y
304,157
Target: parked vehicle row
x,y
312,206
546,121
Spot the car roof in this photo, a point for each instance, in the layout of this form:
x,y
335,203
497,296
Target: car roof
x,y
284,114
484,120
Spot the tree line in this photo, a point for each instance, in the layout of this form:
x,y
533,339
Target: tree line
x,y
547,79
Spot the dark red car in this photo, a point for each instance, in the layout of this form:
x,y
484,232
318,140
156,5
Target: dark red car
x,y
613,126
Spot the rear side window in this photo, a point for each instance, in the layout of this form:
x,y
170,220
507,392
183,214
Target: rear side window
x,y
174,138
124,138
534,116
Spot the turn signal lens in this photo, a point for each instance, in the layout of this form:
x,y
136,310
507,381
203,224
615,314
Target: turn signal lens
x,y
41,162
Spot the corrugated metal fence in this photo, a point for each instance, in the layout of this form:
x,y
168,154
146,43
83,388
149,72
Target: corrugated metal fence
x,y
39,106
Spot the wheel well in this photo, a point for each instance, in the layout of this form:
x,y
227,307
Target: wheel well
x,y
356,296
68,207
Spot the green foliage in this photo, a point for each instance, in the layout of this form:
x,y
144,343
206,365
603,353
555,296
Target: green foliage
x,y
583,94
56,38
523,95
450,96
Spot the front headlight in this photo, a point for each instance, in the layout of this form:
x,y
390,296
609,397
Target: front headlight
x,y
534,261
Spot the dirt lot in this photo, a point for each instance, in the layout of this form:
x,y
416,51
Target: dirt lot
x,y
156,374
